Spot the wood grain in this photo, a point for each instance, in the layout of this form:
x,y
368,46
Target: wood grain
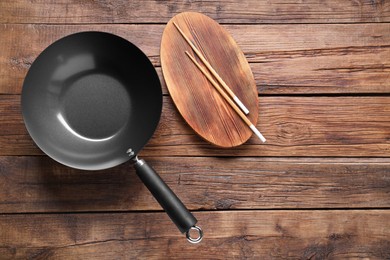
x,y
293,126
238,234
288,59
199,103
224,11
39,184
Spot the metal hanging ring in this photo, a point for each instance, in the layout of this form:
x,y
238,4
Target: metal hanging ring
x,y
197,239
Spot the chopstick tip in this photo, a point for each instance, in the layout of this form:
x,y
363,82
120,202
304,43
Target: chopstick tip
x,y
191,57
257,133
177,26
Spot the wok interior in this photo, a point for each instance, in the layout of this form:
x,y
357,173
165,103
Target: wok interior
x,y
89,97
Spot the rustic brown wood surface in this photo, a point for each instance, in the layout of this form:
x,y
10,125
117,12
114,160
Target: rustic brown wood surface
x,y
253,234
294,126
225,11
319,188
38,184
285,59
197,100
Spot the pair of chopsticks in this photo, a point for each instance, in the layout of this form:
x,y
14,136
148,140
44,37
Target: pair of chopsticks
x,y
237,105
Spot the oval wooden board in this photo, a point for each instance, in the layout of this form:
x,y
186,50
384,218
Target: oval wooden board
x,y
200,104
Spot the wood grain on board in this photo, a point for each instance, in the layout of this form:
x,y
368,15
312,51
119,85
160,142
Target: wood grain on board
x,y
294,126
224,11
287,59
228,235
203,108
39,184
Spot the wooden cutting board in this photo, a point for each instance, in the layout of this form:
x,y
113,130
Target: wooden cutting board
x,y
197,100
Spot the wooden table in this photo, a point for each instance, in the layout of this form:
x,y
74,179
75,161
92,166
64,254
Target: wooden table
x,y
319,188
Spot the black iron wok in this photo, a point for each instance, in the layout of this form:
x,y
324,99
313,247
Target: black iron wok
x,y
91,101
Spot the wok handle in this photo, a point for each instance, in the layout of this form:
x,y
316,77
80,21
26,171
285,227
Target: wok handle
x,y
168,200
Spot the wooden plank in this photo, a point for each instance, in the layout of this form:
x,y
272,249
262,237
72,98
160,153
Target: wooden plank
x,y
294,126
226,11
39,184
23,43
289,59
238,234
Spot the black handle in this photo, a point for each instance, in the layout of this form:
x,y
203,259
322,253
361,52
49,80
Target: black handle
x,y
176,210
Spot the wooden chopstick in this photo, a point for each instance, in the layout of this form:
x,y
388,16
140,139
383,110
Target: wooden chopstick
x,y
228,99
211,69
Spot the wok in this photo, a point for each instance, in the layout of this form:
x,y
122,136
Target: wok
x,y
91,101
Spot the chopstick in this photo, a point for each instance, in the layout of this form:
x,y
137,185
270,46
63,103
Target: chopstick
x,y
227,98
210,68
